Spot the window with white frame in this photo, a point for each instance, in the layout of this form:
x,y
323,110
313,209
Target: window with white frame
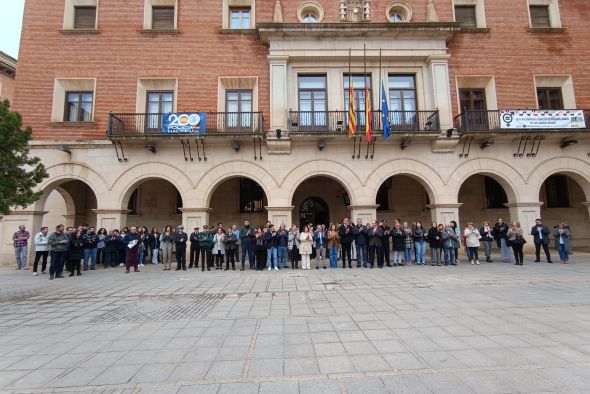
x,y
555,92
310,12
73,100
238,14
155,96
80,15
160,15
398,11
544,14
470,13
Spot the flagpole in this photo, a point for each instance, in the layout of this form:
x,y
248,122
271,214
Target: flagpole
x,y
380,84
365,79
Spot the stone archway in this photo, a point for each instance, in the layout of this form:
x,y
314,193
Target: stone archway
x,y
330,195
236,199
483,198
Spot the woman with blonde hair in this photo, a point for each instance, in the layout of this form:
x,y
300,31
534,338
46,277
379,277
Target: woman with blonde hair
x,y
472,237
306,240
515,238
333,245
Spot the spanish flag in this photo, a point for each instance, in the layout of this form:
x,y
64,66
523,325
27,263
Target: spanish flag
x,y
368,113
351,111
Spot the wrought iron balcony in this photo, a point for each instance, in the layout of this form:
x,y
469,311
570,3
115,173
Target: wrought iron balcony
x,y
130,125
523,120
336,122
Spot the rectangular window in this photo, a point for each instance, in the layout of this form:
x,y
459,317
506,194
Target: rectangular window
x,y
550,98
358,84
540,16
557,192
238,105
239,18
84,17
78,107
313,106
466,15
251,196
163,18
402,102
157,104
474,108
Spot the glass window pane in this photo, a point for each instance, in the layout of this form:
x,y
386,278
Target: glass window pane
x,y
401,82
153,108
312,82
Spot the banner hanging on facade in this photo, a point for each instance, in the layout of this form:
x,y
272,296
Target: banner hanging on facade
x,y
539,119
184,123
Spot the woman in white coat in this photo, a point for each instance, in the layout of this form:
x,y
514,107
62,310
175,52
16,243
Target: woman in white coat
x,y
472,237
219,248
306,240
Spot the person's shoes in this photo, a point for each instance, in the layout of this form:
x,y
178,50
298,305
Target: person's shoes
x,y
269,269
184,268
79,273
324,267
446,264
85,269
127,271
550,262
43,272
92,268
516,263
317,267
50,276
276,268
25,268
349,265
60,276
471,261
177,269
136,270
120,265
537,261
71,273
453,263
208,269
439,265
226,269
190,266
433,265
233,268
34,274
388,264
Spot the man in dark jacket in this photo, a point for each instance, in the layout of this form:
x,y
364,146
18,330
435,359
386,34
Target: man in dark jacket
x,y
270,239
361,238
540,232
180,238
195,248
90,239
231,244
376,244
346,238
206,245
58,242
247,233
386,235
500,235
131,242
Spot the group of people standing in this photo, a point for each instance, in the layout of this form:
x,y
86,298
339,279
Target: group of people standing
x,y
267,247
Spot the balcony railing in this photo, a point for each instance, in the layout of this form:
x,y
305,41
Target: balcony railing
x,y
496,120
122,125
336,122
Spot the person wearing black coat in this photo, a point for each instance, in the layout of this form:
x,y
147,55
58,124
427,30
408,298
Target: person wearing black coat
x,y
121,248
375,245
231,245
501,237
398,237
76,253
434,241
195,249
385,239
110,250
131,244
540,232
180,238
361,238
487,236
346,237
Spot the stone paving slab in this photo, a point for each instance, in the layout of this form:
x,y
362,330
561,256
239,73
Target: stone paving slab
x,y
493,328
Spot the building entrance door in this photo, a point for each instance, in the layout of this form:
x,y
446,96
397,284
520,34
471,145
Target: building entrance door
x,y
314,210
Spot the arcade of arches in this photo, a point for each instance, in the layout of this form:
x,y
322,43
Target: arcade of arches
x,y
318,199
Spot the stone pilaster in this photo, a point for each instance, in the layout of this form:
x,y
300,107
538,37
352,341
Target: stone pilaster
x,y
279,215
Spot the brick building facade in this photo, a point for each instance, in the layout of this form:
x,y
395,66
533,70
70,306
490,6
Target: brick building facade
x,y
272,77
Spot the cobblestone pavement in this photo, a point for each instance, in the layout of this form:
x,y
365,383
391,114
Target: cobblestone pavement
x,y
486,329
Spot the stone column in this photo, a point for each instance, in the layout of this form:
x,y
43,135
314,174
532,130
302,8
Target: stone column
x,y
444,213
111,218
367,213
439,71
526,213
278,215
32,220
278,92
192,217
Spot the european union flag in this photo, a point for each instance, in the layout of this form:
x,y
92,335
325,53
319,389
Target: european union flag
x,y
384,112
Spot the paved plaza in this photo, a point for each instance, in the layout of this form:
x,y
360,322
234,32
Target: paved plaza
x,y
493,328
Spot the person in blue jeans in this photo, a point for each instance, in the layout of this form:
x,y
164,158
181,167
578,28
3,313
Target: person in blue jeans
x,y
282,243
562,241
419,235
361,238
90,240
447,237
270,239
320,241
333,245
247,237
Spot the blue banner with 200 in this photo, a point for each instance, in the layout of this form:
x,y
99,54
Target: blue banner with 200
x,y
184,123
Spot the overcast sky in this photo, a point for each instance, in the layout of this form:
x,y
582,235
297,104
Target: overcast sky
x,y
11,19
